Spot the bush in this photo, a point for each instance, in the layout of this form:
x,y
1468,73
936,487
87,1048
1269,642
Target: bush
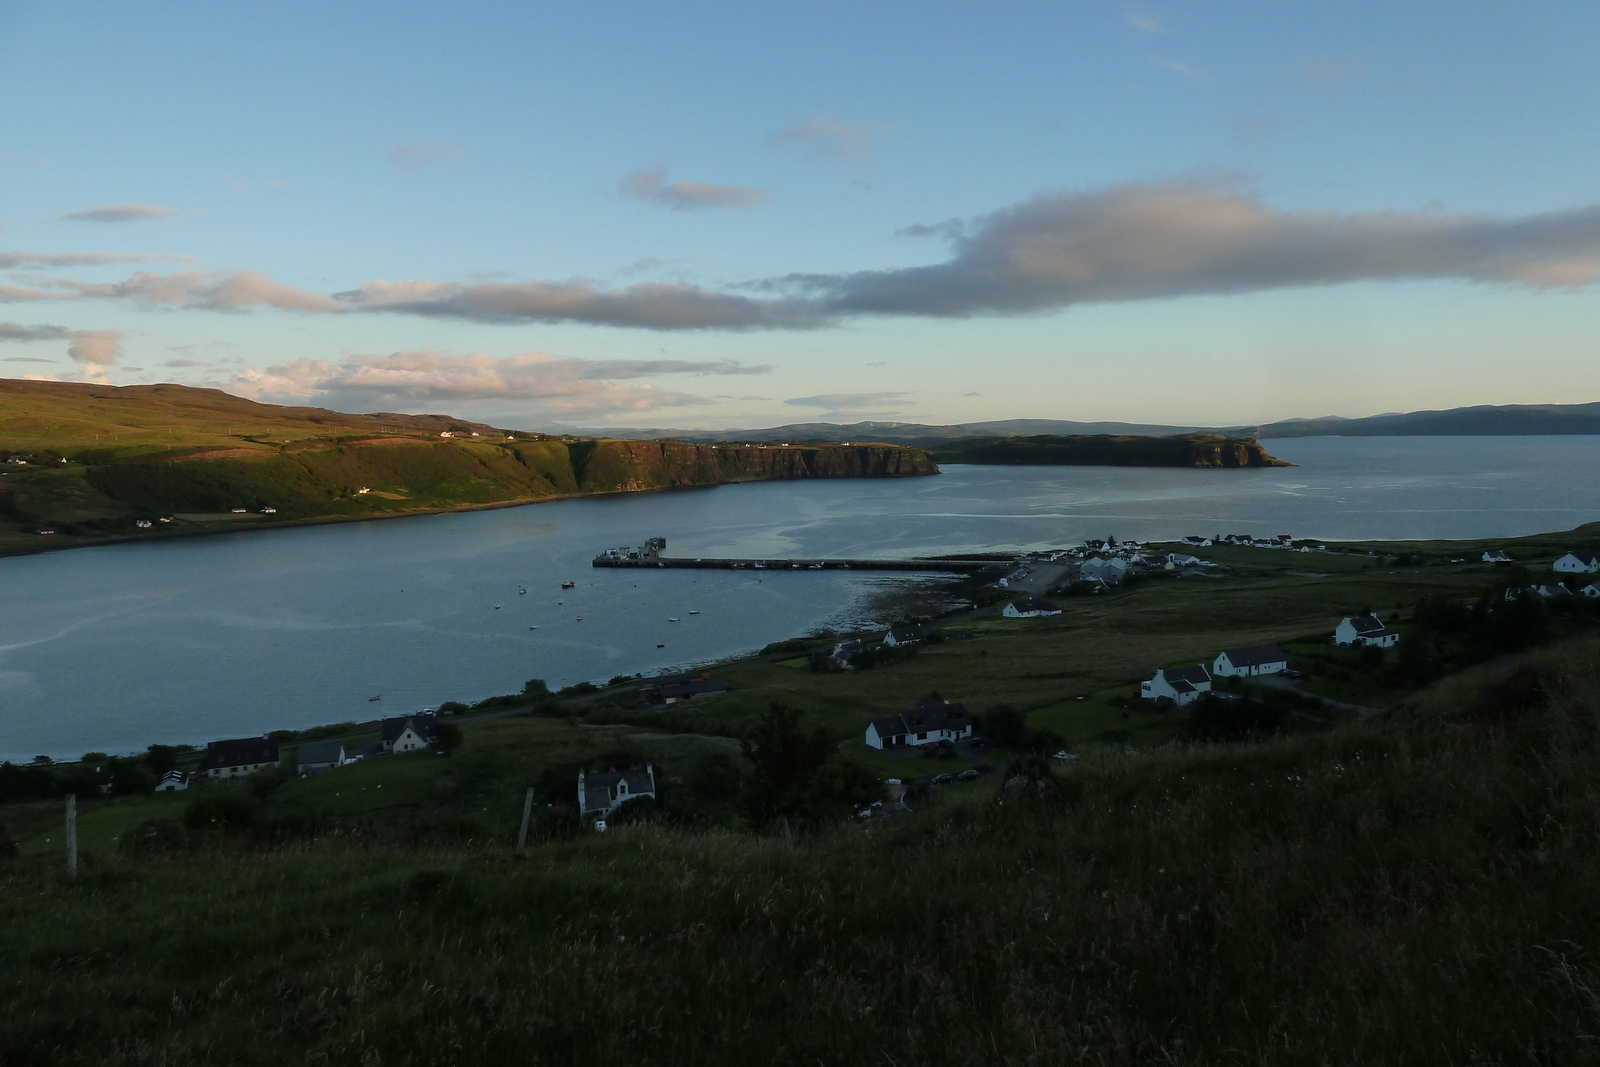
x,y
8,845
221,808
714,777
453,707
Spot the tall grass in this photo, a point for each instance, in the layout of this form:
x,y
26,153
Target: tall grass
x,y
1419,890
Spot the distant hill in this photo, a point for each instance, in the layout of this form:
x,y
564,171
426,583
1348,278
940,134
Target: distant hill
x,y
1482,421
91,462
1109,450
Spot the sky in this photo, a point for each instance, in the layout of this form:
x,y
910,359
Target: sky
x,y
713,215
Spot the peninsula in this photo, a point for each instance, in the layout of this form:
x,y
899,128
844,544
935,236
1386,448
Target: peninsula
x,y
1110,450
83,463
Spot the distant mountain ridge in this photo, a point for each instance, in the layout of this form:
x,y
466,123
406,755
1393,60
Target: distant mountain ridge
x,y
1486,420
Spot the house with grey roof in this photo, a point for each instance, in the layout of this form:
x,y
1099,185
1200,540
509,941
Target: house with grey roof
x,y
1181,685
408,733
1364,631
315,756
1578,561
929,722
903,635
1027,607
670,688
239,757
1247,662
603,792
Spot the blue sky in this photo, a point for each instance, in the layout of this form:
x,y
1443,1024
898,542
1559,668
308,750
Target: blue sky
x,y
708,214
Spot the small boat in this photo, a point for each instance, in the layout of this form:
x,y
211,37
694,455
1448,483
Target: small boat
x,y
569,585
580,618
694,613
816,566
521,590
371,699
674,620
661,646
761,566
533,627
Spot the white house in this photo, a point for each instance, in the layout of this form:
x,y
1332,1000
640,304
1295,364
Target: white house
x,y
1197,542
1582,561
1494,555
1028,607
606,791
1110,571
930,722
407,733
1179,559
232,759
317,756
1247,662
172,782
1591,590
1182,685
1364,631
903,635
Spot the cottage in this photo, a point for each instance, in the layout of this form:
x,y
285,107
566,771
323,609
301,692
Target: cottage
x,y
903,635
317,756
1028,607
667,689
1580,561
1547,591
173,782
1592,590
407,733
1181,685
1180,559
930,722
1248,662
1197,542
1364,631
232,759
845,649
1494,555
603,792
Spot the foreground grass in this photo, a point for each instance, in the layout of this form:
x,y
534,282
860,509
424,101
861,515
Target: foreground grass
x,y
1411,890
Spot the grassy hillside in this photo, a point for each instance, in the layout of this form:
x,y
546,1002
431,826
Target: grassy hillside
x,y
101,460
1415,888
1107,450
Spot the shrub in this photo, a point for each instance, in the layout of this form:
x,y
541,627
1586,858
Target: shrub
x,y
228,810
8,845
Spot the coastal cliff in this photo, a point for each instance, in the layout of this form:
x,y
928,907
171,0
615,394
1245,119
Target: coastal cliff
x,y
1106,450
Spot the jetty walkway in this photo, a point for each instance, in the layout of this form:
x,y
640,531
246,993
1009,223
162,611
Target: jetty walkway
x,y
948,566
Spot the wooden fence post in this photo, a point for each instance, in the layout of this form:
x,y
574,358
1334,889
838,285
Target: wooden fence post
x,y
72,837
527,810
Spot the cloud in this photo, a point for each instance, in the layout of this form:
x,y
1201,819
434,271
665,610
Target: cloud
x,y
427,375
48,260
120,213
653,305
25,359
419,154
837,402
651,185
1151,241
94,350
1322,69
1142,241
1141,21
1194,74
184,363
213,292
832,138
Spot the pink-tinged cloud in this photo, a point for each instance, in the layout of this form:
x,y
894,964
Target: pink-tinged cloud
x,y
56,260
403,379
829,137
652,186
120,213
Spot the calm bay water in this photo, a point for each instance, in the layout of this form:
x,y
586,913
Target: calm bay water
x,y
115,648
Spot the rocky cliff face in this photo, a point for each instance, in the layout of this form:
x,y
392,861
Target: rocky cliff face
x,y
604,466
1186,450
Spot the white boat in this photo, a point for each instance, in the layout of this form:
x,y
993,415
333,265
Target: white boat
x,y
674,620
694,613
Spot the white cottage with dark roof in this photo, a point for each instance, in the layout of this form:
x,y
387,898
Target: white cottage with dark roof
x,y
603,792
1364,631
929,723
1181,685
1580,561
1247,662
245,755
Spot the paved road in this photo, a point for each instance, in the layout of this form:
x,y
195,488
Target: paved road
x,y
1277,681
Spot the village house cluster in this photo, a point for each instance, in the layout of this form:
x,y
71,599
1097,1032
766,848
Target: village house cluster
x,y
241,757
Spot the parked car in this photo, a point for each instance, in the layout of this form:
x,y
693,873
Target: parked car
x,y
943,779
1293,676
968,775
